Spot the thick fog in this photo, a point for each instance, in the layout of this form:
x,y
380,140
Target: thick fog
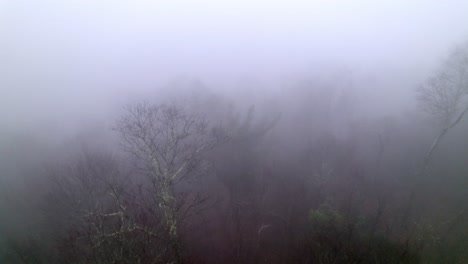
x,y
296,87
63,61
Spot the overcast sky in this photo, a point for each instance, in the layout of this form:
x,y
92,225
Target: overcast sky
x,y
71,59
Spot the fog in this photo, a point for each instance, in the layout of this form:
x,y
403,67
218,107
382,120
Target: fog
x,y
71,55
283,80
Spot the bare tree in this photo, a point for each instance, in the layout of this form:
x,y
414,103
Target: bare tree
x,y
237,165
445,94
101,213
167,143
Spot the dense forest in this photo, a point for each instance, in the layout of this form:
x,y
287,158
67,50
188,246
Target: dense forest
x,y
198,177
237,132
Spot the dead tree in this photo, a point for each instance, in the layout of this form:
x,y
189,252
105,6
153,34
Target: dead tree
x,y
101,213
167,143
238,167
445,94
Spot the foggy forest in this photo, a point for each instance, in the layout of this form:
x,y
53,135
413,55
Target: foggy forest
x,y
233,132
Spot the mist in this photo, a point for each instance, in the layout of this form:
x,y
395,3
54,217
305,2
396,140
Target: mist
x,y
314,131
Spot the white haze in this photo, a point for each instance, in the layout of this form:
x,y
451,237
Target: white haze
x,y
64,63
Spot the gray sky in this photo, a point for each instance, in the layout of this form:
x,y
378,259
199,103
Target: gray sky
x,y
76,59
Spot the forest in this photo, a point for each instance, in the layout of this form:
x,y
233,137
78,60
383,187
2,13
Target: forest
x,y
198,179
334,165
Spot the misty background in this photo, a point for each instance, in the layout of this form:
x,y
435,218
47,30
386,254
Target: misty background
x,y
86,57
67,68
